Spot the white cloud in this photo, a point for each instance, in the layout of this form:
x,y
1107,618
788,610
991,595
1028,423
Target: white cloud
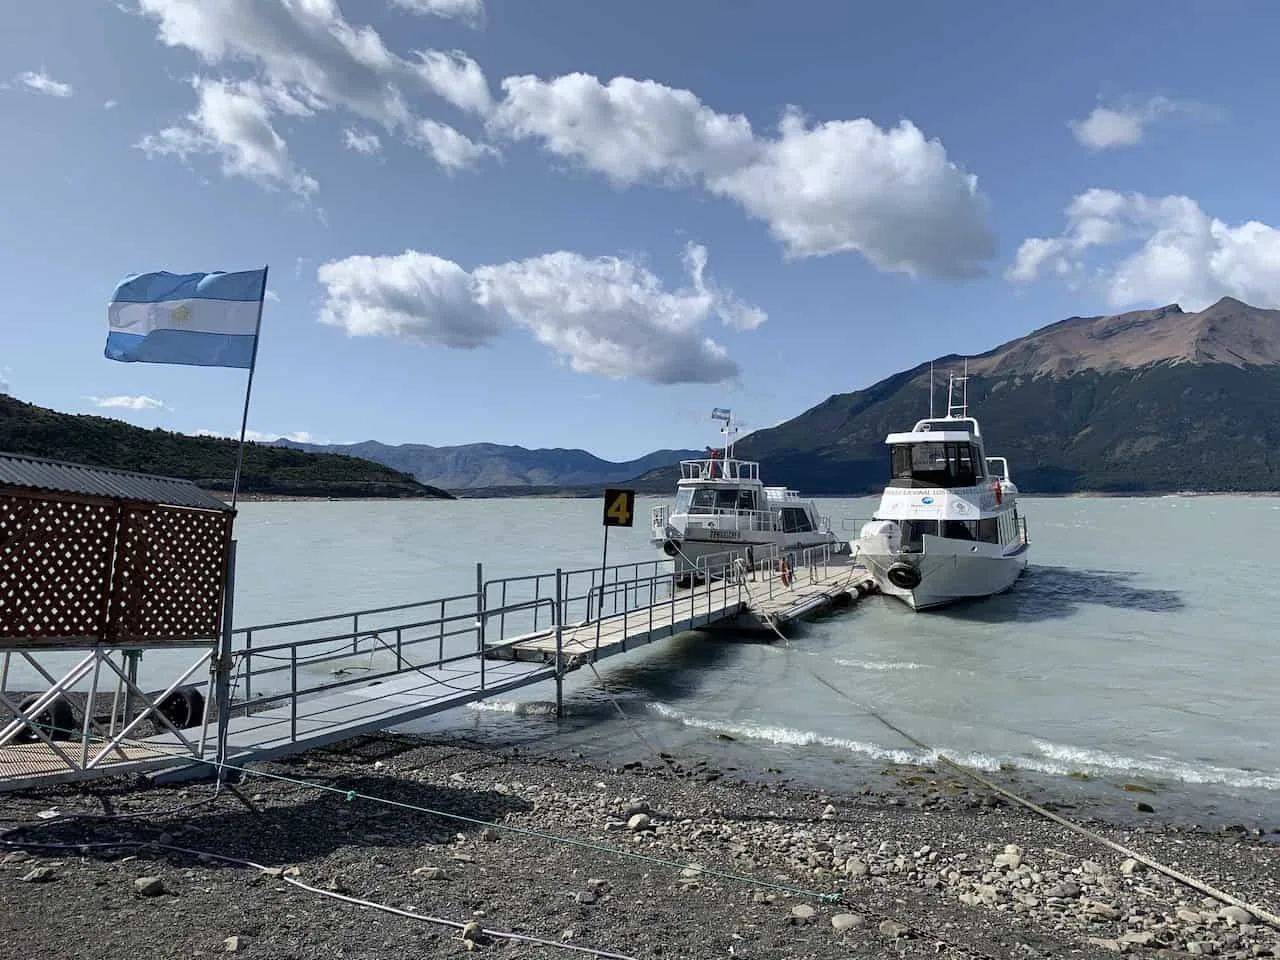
x,y
457,78
110,104
41,82
233,122
271,295
470,12
1124,125
366,143
1172,252
308,49
128,403
606,315
413,296
450,149
844,185
259,436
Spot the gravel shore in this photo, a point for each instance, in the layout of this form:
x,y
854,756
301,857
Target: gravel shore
x,y
671,862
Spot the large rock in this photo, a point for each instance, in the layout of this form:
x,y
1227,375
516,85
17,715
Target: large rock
x,y
149,886
847,921
1235,916
802,913
855,867
638,822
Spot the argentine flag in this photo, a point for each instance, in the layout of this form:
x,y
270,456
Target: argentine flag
x,y
198,319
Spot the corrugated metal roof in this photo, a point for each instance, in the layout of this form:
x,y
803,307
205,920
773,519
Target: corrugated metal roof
x,y
35,473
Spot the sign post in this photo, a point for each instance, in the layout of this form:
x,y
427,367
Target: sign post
x,y
619,511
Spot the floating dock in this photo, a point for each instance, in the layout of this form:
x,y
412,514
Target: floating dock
x,y
302,684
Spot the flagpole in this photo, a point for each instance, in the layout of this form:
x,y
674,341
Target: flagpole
x,y
248,390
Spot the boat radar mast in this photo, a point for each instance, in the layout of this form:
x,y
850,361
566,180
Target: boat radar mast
x,y
730,429
958,410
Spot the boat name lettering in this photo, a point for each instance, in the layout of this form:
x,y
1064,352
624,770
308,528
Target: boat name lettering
x,y
715,534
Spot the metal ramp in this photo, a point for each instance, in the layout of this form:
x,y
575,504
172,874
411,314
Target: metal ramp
x,y
305,683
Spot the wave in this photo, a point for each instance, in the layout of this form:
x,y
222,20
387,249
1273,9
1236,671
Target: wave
x,y
1156,768
880,665
518,708
1054,759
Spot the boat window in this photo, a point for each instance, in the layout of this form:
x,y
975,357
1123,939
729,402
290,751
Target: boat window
x,y
932,465
989,530
703,500
914,530
960,529
796,520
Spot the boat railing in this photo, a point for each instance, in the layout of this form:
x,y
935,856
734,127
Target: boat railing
x,y
1022,531
782,493
717,468
746,519
998,468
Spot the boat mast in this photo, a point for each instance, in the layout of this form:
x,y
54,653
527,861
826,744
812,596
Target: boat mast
x,y
725,415
958,411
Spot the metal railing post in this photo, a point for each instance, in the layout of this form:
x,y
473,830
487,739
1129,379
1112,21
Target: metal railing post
x,y
293,689
558,616
480,616
248,668
355,633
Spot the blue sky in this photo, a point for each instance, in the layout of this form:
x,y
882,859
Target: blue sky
x,y
580,223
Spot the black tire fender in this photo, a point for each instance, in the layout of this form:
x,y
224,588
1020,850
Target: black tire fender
x,y
904,576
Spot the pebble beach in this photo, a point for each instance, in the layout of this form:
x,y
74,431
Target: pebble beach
x,y
389,846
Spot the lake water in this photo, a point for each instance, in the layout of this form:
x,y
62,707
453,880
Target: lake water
x,y
1141,645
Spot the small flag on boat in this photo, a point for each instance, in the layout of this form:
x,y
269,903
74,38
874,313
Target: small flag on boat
x,y
720,413
197,319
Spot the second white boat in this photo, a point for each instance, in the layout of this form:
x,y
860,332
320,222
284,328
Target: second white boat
x,y
948,526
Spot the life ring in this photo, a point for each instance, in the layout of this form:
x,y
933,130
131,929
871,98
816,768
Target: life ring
x,y
904,576
998,490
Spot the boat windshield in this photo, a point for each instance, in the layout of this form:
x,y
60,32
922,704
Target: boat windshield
x,y
933,464
694,500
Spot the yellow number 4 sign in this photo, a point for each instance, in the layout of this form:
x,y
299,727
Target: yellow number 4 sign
x,y
619,507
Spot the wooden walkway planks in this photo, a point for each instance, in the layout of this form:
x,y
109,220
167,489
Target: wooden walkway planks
x,y
755,606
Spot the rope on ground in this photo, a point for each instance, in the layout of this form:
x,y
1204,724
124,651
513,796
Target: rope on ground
x,y
470,927
352,795
1171,872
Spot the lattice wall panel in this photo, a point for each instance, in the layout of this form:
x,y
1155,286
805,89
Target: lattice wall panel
x,y
55,569
169,574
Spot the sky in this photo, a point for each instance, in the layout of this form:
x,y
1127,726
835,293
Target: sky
x,y
570,223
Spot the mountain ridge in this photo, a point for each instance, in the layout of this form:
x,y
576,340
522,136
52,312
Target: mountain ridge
x,y
488,466
31,430
1146,400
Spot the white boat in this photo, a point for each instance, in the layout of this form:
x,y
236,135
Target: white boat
x,y
723,511
948,526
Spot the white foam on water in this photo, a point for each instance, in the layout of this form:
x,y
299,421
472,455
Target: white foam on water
x,y
518,708
880,665
1054,759
1068,759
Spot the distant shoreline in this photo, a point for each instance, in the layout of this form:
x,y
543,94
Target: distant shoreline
x,y
465,495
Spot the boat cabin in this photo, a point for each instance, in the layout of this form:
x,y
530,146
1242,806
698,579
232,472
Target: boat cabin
x,y
937,454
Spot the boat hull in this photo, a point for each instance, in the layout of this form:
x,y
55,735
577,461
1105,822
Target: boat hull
x,y
948,573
